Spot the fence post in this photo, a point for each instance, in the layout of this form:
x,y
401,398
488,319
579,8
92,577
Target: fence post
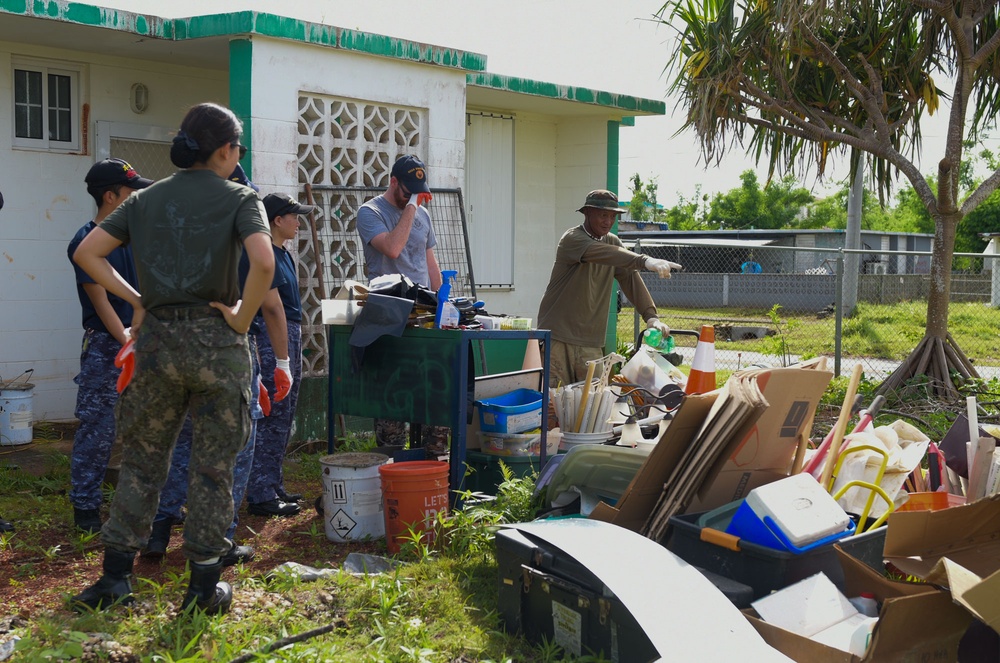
x,y
839,316
635,309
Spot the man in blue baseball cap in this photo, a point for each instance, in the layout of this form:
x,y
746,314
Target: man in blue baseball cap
x,y
106,319
396,231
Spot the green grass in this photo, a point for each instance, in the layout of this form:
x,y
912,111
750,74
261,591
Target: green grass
x,y
439,606
883,331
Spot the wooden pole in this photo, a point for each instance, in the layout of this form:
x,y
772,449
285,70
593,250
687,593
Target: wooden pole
x,y
841,427
585,396
315,241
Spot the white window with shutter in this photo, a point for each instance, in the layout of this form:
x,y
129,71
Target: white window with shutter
x,y
489,198
46,105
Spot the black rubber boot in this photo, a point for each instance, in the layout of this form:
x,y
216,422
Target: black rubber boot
x,y
114,586
89,520
159,539
206,591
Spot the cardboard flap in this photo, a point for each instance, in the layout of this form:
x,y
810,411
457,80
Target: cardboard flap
x,y
763,452
980,597
802,650
908,625
859,577
643,492
968,535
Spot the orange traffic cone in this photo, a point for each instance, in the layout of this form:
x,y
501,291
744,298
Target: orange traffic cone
x,y
702,376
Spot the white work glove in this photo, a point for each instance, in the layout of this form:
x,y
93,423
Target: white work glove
x,y
661,267
282,379
418,199
128,334
656,323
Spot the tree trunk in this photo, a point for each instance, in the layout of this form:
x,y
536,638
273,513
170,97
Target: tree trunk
x,y
937,357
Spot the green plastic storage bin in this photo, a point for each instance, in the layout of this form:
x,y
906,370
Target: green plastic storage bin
x,y
483,474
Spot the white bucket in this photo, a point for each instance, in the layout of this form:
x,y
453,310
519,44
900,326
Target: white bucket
x,y
15,414
570,440
352,496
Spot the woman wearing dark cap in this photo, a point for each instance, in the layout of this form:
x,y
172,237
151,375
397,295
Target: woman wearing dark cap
x,y
187,232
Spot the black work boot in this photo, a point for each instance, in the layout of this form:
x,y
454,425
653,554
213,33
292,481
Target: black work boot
x,y
89,520
206,591
114,586
159,539
237,555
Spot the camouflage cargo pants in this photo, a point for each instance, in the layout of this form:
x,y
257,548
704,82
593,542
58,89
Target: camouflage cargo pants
x,y
190,362
568,363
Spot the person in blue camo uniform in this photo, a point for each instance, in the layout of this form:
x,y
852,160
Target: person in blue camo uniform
x,y
191,353
106,318
266,494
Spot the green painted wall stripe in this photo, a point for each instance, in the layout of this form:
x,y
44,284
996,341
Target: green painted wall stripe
x,y
241,93
245,22
566,92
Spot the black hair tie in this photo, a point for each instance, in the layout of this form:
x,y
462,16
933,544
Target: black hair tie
x,y
189,142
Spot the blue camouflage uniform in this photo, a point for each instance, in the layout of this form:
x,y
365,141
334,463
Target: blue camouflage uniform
x,y
275,430
96,394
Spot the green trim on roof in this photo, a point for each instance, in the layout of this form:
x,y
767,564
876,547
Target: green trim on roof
x,y
566,92
241,94
246,23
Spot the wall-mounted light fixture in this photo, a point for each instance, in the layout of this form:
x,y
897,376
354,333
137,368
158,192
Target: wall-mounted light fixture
x,y
139,98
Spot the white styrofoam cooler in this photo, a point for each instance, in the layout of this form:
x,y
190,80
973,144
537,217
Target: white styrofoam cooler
x,y
800,507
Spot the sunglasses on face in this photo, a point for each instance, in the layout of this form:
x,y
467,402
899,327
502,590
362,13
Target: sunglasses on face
x,y
241,148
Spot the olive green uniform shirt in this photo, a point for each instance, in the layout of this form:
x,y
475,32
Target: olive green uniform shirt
x,y
575,304
186,233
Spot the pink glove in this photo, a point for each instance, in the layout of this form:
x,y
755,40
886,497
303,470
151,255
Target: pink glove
x,y
282,379
125,360
263,399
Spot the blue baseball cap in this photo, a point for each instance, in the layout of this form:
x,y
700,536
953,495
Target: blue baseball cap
x,y
410,172
240,177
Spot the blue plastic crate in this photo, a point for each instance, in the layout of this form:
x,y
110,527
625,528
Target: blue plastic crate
x,y
514,412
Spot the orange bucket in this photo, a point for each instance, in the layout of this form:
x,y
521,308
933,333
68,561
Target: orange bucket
x,y
931,502
413,493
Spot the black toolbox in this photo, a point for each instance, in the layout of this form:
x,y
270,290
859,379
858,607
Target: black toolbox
x,y
549,596
766,569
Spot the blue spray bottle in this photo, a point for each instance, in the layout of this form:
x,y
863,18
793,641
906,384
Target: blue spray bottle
x,y
446,314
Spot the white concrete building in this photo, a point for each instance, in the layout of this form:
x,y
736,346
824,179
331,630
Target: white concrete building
x,y
322,106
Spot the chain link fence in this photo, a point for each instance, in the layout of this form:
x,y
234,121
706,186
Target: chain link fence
x,y
775,305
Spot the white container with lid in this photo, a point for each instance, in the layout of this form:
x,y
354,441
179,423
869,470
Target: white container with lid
x,y
800,507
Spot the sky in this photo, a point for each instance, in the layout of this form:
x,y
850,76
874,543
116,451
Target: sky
x,y
611,45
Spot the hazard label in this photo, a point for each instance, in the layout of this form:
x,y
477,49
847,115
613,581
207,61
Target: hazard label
x,y
342,523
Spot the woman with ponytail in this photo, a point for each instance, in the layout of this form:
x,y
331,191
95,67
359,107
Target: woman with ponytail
x,y
189,327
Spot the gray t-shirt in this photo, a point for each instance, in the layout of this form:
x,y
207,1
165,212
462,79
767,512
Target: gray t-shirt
x,y
379,216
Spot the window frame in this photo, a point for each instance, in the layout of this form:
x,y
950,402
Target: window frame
x,y
47,68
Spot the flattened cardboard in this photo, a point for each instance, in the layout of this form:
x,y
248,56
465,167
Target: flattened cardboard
x,y
646,487
978,596
968,535
916,623
765,453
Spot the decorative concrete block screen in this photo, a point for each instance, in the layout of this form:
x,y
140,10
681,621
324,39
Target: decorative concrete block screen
x,y
346,149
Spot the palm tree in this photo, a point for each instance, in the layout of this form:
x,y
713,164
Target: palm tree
x,y
800,81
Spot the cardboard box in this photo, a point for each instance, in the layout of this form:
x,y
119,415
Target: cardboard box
x,y
957,548
916,623
642,494
765,453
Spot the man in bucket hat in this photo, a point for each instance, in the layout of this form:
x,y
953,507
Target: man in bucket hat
x,y
575,304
